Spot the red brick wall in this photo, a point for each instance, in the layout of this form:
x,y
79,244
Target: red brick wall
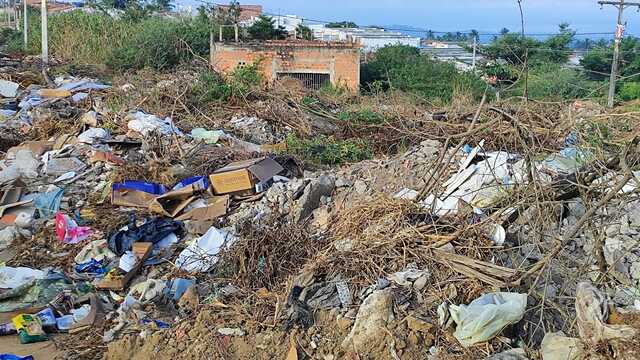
x,y
342,63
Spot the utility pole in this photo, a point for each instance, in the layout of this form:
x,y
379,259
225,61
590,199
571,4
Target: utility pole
x,y
621,5
25,23
45,34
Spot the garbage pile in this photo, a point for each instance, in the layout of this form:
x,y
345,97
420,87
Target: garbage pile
x,y
128,236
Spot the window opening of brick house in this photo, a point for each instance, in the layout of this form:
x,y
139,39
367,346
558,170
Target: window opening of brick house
x,y
312,81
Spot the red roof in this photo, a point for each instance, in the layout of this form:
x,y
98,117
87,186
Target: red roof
x,y
247,12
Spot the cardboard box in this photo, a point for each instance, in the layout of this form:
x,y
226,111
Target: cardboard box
x,y
216,207
244,175
142,251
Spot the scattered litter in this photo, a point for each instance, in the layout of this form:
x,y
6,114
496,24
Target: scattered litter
x,y
144,124
201,255
8,89
486,316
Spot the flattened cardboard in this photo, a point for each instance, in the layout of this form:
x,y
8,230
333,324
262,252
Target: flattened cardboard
x,y
216,207
243,175
171,203
131,198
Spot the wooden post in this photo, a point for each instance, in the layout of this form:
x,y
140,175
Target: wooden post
x,y
220,33
235,28
45,34
25,23
621,5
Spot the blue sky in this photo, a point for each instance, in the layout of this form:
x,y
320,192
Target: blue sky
x,y
541,16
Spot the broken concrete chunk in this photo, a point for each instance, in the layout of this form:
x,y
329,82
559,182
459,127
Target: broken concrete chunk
x,y
373,316
59,166
26,164
8,89
310,199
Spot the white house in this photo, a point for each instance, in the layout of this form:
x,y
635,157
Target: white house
x,y
371,39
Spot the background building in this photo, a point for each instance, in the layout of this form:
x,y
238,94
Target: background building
x,y
371,39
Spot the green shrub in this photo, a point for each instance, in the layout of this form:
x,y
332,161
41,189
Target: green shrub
x,y
211,87
245,79
555,82
630,91
362,116
404,68
159,43
329,151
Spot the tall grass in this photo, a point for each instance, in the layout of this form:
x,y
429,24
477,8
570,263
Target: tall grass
x,y
123,43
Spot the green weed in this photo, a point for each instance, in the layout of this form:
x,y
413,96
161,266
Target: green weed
x,y
329,151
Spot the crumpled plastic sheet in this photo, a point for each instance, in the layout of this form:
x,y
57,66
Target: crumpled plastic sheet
x,y
40,292
201,255
151,231
486,316
12,277
144,124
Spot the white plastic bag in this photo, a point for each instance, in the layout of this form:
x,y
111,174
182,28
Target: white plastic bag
x,y
486,316
11,278
201,255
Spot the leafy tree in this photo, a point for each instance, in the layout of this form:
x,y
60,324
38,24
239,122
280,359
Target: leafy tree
x,y
430,35
162,5
513,48
342,24
598,60
504,31
304,32
403,67
264,29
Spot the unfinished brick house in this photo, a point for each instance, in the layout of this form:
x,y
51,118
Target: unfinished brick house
x,y
314,63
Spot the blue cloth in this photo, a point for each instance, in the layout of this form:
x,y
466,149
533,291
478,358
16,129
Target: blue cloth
x,y
48,204
93,266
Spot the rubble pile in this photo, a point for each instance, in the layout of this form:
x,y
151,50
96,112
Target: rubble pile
x,y
134,234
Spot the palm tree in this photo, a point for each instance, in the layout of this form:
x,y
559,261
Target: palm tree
x,y
474,34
